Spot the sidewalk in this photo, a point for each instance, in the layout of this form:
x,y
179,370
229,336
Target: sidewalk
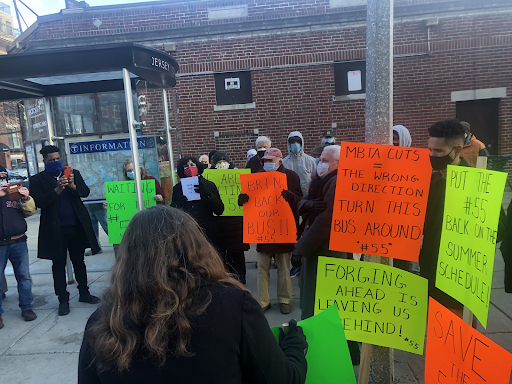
x,y
46,350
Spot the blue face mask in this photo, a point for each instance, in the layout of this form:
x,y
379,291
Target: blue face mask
x,y
130,175
329,141
269,167
295,148
53,167
317,161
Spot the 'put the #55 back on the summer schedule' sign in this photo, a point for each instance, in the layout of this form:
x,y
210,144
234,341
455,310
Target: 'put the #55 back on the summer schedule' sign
x,y
380,202
468,240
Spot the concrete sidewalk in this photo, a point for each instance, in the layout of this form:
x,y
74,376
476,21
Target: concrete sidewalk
x,y
46,350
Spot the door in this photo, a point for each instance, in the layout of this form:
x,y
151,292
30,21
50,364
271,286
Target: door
x,y
483,116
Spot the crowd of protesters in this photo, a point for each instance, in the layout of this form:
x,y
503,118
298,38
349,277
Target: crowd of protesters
x,y
170,287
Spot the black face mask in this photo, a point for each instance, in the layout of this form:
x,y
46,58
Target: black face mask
x,y
440,163
261,152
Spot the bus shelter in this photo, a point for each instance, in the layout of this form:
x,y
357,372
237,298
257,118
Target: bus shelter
x,y
87,70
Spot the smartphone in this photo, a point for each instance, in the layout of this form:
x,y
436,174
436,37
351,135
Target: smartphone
x,y
67,172
12,190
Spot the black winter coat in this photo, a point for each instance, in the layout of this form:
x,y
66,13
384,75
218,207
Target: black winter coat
x,y
231,342
49,244
201,210
293,182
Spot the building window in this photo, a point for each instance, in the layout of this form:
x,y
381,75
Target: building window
x,y
92,114
13,136
233,88
350,80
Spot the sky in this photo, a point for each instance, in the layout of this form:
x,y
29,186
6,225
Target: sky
x,y
46,7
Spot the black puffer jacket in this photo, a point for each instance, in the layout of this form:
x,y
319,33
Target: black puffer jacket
x,y
201,210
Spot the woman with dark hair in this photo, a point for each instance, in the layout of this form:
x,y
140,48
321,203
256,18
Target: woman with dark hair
x,y
173,314
210,203
230,240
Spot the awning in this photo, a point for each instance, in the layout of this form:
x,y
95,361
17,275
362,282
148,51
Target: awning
x,y
71,71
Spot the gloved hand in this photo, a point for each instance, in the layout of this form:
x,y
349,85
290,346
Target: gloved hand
x,y
287,195
315,206
242,199
203,191
296,260
294,339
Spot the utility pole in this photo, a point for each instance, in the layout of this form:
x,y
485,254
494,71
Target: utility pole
x,y
379,122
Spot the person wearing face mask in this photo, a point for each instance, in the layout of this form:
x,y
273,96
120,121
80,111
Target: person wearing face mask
x,y
327,139
65,225
445,145
205,160
401,136
299,162
201,210
130,175
255,163
251,153
230,237
273,162
316,210
13,244
472,146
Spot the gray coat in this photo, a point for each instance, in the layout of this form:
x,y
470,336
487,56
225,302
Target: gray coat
x,y
301,163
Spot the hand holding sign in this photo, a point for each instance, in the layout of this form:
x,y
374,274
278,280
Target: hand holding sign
x,y
268,218
188,185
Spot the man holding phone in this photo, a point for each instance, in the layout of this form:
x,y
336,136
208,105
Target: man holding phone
x,y
65,224
13,242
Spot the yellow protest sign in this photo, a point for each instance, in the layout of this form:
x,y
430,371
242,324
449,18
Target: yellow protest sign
x,y
378,304
468,240
228,184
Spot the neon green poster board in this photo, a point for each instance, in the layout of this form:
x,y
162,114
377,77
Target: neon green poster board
x,y
122,205
378,304
228,184
468,240
328,355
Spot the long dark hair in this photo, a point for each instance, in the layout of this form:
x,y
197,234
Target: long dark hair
x,y
163,264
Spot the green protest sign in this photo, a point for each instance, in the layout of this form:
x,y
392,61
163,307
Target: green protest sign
x,y
228,184
122,205
378,304
328,355
468,240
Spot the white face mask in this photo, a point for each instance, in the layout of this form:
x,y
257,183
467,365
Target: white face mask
x,y
222,165
3,181
322,169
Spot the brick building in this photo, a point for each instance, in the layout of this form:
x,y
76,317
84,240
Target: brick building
x,y
267,67
11,143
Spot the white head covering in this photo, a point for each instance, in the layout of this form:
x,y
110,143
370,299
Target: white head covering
x,y
251,152
404,135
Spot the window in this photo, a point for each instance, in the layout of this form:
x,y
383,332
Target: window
x,y
233,88
350,80
8,26
14,137
92,114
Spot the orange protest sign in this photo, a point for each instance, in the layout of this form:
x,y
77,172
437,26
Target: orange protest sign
x,y
459,354
268,218
380,201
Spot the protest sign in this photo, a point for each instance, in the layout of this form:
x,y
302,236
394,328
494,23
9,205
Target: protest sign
x,y
268,218
459,354
378,304
468,240
122,205
328,355
188,185
228,184
380,202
